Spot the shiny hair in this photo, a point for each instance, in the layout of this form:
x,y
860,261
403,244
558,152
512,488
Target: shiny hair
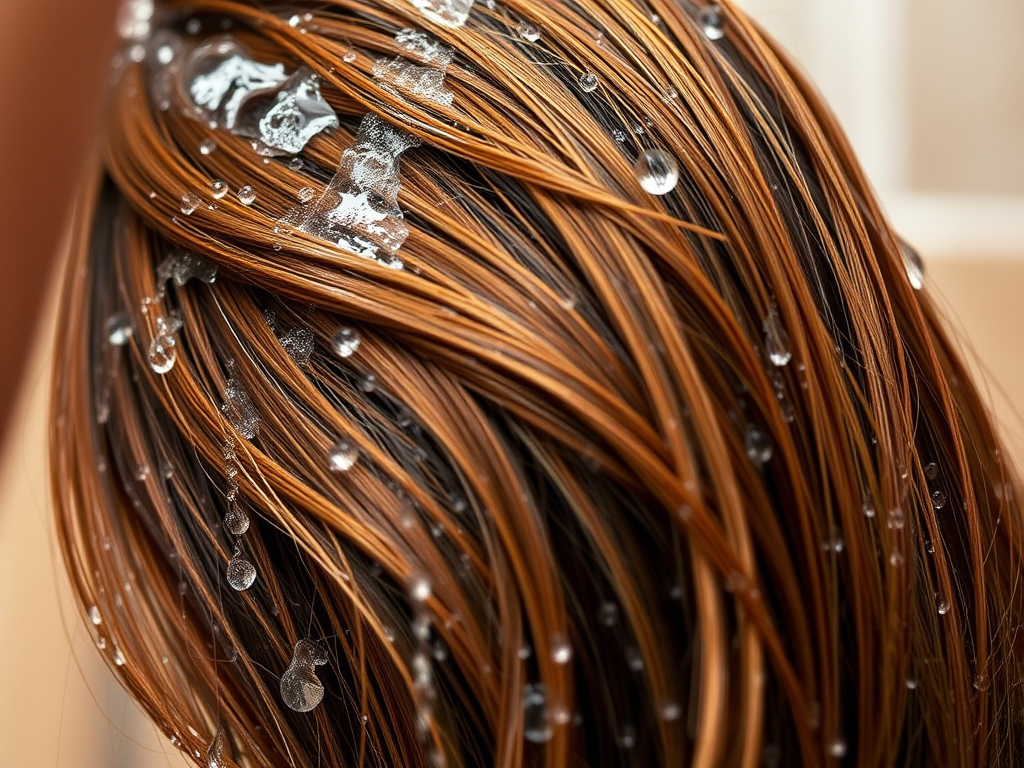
x,y
591,469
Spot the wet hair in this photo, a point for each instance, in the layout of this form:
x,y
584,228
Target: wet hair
x,y
607,425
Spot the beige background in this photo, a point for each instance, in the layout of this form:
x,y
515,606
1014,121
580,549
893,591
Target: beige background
x,y
930,92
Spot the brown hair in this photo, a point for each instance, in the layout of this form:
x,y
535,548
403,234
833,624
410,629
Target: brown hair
x,y
694,477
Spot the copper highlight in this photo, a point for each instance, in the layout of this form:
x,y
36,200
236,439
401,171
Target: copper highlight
x,y
574,433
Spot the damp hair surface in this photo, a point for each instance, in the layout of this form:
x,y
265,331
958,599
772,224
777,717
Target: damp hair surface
x,y
453,384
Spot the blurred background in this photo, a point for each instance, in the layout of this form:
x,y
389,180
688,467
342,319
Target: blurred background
x,y
930,94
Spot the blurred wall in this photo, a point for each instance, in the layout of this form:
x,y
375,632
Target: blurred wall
x,y
929,91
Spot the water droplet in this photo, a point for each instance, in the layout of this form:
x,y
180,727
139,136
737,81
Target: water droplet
x,y
896,559
241,573
896,518
669,95
189,202
219,187
561,651
419,588
758,445
294,20
346,342
537,726
239,409
301,689
711,22
634,659
627,737
776,340
608,614
298,343
162,354
524,652
588,82
215,752
868,507
837,748
981,682
527,31
295,164
931,470
247,195
670,711
193,26
94,616
237,519
911,684
657,171
306,194
943,606
349,57
368,383
342,456
938,499
834,543
206,146
119,329
119,659
914,266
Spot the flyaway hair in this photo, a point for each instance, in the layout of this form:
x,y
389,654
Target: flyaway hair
x,y
515,384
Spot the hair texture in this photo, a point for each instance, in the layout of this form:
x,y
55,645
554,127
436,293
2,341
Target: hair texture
x,y
593,518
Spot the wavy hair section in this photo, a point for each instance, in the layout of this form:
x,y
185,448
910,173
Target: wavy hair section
x,y
597,477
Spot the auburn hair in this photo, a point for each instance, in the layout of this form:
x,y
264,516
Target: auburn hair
x,y
580,474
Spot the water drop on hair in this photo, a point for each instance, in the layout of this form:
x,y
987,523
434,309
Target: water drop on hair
x,y
342,456
298,343
627,737
162,354
306,194
295,164
837,748
241,572
349,57
215,752
189,203
634,659
657,171
896,518
207,146
896,559
776,340
419,588
711,22
94,616
931,470
368,383
119,659
670,711
981,682
868,507
247,195
758,445
119,329
943,606
346,342
561,650
938,499
527,31
911,684
219,187
301,689
588,82
239,409
537,726
236,520
608,614
913,265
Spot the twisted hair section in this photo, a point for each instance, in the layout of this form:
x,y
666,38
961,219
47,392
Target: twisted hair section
x,y
528,465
